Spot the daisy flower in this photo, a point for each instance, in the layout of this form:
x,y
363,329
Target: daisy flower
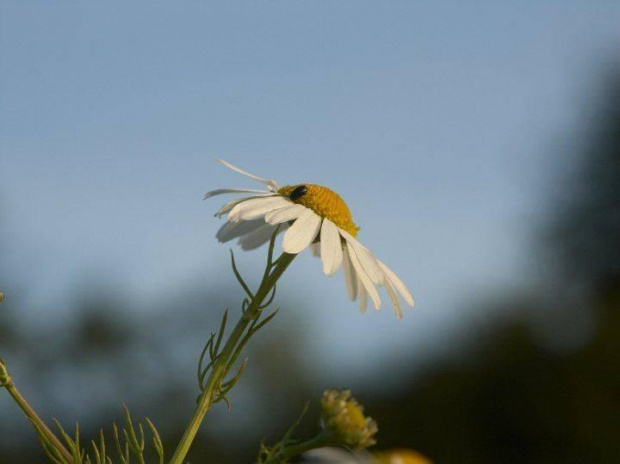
x,y
315,217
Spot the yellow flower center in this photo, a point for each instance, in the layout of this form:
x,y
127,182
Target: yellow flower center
x,y
324,202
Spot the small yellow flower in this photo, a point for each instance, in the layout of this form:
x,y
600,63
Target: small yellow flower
x,y
315,217
400,456
344,417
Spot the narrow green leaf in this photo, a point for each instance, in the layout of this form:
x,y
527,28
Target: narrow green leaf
x,y
157,443
238,276
220,334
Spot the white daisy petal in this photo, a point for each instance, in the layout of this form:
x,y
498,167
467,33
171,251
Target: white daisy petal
x,y
260,210
395,301
302,233
363,277
367,260
331,247
258,237
232,230
397,283
349,275
213,193
363,297
230,205
272,184
255,208
292,211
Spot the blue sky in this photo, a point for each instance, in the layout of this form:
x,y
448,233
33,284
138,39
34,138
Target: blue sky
x,y
438,122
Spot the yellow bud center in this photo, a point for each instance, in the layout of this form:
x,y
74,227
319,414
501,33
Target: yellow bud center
x,y
356,416
326,203
345,420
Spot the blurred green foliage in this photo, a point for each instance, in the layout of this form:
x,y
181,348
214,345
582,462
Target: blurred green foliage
x,y
509,398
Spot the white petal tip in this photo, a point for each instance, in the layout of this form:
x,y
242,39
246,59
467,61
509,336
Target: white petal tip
x,y
329,272
290,250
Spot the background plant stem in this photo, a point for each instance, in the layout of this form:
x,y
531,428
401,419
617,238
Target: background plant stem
x,y
220,367
34,417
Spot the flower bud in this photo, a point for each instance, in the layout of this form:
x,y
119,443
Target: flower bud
x,y
344,418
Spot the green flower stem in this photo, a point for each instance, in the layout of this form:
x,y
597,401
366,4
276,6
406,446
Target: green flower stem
x,y
221,365
7,382
288,452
